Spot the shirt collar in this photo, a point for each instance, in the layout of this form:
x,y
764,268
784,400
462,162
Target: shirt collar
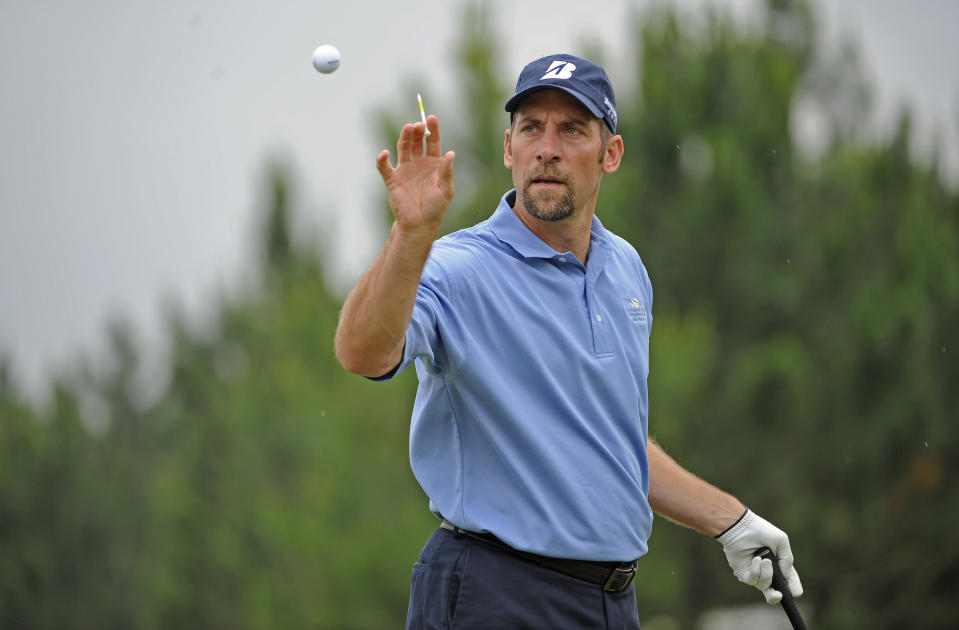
x,y
508,228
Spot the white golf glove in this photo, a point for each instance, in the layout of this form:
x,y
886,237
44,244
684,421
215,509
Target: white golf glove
x,y
743,539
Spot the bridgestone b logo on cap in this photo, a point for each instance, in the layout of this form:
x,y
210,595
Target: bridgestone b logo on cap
x,y
559,70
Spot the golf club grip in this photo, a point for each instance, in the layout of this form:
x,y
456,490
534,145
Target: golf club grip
x,y
779,583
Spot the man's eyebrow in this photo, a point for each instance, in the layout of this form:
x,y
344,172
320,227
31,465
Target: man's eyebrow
x,y
576,121
527,118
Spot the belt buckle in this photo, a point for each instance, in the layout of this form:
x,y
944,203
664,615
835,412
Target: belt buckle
x,y
619,579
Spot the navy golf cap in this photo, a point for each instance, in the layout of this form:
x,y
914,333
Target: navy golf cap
x,y
574,75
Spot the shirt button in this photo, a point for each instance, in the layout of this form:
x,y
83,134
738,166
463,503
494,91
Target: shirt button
x,y
562,259
599,317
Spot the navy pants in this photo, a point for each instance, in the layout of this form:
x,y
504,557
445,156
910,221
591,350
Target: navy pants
x,y
461,583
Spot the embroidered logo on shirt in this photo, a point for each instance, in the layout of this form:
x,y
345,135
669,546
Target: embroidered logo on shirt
x,y
636,310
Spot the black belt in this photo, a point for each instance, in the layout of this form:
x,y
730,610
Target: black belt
x,y
612,576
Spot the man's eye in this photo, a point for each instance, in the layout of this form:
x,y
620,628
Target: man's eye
x,y
572,131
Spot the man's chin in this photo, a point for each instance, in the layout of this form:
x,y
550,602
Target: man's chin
x,y
554,209
547,202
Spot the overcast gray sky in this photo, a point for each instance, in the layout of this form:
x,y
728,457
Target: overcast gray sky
x,y
134,136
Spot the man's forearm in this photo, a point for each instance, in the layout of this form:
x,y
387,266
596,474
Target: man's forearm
x,y
377,312
684,498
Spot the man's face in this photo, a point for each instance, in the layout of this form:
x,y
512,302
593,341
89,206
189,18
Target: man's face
x,y
555,150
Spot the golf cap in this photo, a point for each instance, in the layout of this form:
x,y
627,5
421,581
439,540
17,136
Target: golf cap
x,y
579,77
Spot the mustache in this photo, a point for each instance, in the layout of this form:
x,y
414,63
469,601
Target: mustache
x,y
547,173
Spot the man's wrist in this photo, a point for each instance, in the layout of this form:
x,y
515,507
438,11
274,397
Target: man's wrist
x,y
412,244
732,525
418,231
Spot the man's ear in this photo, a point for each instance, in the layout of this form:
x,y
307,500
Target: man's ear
x,y
507,152
613,155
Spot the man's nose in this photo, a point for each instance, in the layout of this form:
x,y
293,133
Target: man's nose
x,y
548,149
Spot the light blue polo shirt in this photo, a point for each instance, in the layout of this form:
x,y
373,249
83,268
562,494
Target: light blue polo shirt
x,y
530,420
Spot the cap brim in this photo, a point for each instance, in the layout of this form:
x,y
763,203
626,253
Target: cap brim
x,y
513,103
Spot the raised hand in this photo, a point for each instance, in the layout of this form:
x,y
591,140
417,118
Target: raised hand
x,y
377,312
421,185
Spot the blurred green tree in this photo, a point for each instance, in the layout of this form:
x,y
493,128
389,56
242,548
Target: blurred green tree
x,y
804,311
280,471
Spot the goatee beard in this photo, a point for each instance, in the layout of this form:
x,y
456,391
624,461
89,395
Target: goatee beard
x,y
551,206
553,210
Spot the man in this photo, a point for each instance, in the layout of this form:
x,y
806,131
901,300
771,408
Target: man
x,y
530,336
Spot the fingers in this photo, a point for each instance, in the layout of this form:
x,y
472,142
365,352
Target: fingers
x,y
433,140
758,573
762,569
789,571
409,148
764,575
383,165
792,579
410,143
772,596
447,172
411,136
404,144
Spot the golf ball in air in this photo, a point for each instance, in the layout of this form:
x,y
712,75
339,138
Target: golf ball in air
x,y
326,58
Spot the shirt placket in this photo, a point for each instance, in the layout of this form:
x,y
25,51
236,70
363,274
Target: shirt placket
x,y
598,319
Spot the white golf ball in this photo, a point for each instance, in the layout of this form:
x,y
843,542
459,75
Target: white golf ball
x,y
326,59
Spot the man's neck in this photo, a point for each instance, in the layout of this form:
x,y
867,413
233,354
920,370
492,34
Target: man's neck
x,y
568,235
